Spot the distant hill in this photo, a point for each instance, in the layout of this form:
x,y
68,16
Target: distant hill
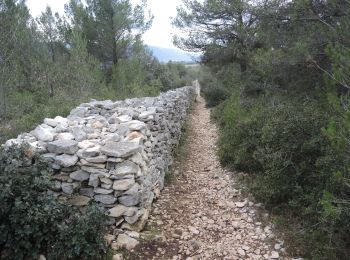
x,y
167,54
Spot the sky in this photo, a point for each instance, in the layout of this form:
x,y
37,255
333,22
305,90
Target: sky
x,y
159,35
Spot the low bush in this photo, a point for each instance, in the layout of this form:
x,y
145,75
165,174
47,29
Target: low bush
x,y
32,222
298,164
214,96
240,130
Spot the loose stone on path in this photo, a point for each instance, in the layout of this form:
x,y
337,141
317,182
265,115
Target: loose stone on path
x,y
202,214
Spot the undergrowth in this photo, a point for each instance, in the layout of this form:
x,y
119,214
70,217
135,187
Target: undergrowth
x,y
33,222
297,161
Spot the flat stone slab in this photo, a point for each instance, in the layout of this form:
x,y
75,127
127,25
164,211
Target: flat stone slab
x,y
122,185
118,211
66,160
126,168
136,125
80,175
79,201
106,199
63,146
120,149
129,200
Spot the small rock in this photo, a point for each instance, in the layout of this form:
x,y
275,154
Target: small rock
x,y
68,188
241,252
115,246
194,245
120,149
88,192
43,133
241,204
124,241
103,191
79,201
63,146
41,257
133,218
117,257
91,152
106,199
109,239
117,211
79,175
136,125
66,160
277,246
274,255
134,136
97,159
236,224
86,144
133,234
79,133
129,200
125,168
65,136
51,122
123,119
193,230
122,185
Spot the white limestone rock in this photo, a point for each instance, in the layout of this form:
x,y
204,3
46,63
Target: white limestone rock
x,y
123,185
106,199
43,133
66,160
65,136
120,149
79,175
63,146
124,241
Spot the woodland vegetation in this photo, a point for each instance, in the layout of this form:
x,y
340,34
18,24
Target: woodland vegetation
x,y
49,65
52,63
279,73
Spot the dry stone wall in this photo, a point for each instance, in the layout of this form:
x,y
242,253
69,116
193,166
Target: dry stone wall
x,y
115,153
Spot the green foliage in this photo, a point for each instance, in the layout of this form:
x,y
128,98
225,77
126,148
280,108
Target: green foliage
x,y
135,76
32,222
240,133
82,237
298,168
174,75
215,95
218,83
223,30
53,63
109,26
85,76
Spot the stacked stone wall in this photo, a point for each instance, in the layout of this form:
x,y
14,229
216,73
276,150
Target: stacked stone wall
x,y
115,153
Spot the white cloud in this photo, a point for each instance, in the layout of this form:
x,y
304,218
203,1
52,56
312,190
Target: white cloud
x,y
36,7
162,31
159,35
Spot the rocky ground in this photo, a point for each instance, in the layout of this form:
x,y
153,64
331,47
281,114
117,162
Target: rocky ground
x,y
203,214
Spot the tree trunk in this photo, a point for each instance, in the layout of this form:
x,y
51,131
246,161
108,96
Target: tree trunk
x,y
114,53
2,101
113,40
243,65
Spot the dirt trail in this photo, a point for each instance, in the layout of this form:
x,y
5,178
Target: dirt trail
x,y
202,214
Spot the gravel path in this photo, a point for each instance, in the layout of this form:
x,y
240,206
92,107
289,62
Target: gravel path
x,y
202,214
